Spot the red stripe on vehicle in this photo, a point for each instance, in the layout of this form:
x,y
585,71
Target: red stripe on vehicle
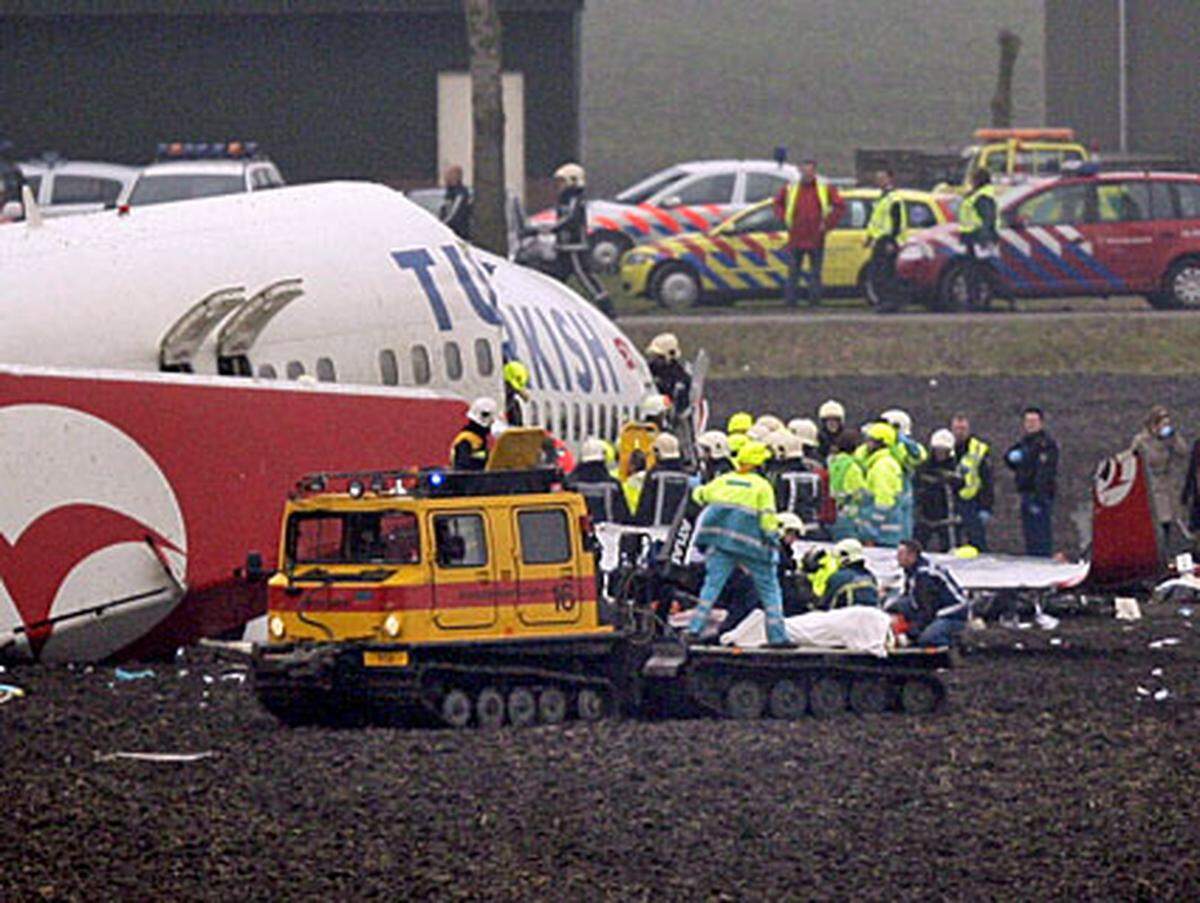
x,y
638,223
723,246
363,599
754,246
694,218
607,222
694,248
663,217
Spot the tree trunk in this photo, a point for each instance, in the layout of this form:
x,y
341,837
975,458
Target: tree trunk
x,y
489,229
1002,106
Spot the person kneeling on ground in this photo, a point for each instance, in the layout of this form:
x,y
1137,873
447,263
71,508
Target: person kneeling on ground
x,y
851,583
932,602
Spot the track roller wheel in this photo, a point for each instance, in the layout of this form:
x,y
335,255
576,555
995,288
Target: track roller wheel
x,y
456,708
522,707
489,708
787,701
919,697
868,695
826,697
744,700
552,706
591,704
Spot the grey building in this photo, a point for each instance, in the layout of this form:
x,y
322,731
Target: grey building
x,y
329,88
1121,73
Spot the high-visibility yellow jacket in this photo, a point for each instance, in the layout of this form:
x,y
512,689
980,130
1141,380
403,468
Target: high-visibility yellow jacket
x,y
739,515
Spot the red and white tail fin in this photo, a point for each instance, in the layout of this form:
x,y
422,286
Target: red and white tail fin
x,y
1125,539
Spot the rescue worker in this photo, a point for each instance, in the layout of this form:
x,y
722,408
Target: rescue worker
x,y
714,455
736,428
1163,450
832,418
655,409
847,485
455,211
602,492
666,485
979,224
632,484
738,526
880,516
976,497
469,450
1034,462
516,390
888,221
938,483
806,431
810,208
909,455
818,565
932,602
798,486
570,228
851,583
791,531
671,375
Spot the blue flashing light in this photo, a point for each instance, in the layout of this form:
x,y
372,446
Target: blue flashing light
x,y
437,478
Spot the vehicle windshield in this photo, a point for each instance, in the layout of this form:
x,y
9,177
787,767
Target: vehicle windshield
x,y
358,537
162,189
757,219
647,188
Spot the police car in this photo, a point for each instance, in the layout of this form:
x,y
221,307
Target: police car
x,y
1089,233
747,256
62,187
687,197
186,171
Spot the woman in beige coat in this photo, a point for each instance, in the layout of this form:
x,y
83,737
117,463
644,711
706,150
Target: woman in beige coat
x,y
1164,451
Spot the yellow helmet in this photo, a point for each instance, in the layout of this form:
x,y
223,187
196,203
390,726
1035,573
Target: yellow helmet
x,y
516,375
736,441
881,432
739,423
752,454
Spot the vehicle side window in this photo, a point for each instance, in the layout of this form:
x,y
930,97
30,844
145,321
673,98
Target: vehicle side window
x,y
461,540
399,538
919,215
545,536
997,162
454,366
761,220
389,369
1122,202
1162,201
762,185
705,190
1189,199
485,361
35,185
420,364
316,539
1057,206
84,190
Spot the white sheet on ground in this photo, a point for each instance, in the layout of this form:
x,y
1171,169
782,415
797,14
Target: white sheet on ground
x,y
858,628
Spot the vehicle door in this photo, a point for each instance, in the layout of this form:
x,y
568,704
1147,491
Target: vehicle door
x,y
1044,248
694,204
549,585
1124,238
465,591
1176,204
752,242
845,251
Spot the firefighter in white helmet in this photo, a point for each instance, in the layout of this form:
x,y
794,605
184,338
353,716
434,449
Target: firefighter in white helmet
x,y
851,583
938,480
570,228
600,489
713,448
666,485
832,418
671,375
469,450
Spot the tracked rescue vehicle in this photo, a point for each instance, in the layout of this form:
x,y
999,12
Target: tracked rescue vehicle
x,y
472,599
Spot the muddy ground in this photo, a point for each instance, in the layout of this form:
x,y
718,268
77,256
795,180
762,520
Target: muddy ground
x,y
1090,416
1048,775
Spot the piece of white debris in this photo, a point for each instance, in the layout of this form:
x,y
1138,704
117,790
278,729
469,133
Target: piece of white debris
x,y
1156,672
154,757
1056,641
1162,694
1186,612
1165,641
1142,691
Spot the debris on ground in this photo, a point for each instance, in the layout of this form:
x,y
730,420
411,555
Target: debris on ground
x,y
9,692
153,757
127,674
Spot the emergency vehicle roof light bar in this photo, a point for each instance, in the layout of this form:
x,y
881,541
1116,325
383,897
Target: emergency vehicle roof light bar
x,y
1025,134
206,150
430,482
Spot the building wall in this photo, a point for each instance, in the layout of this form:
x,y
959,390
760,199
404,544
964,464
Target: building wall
x,y
326,95
679,79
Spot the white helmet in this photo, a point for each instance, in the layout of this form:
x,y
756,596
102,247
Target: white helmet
x,y
665,344
805,430
771,422
831,408
666,447
943,439
591,451
848,551
482,411
653,405
759,431
899,419
714,443
790,521
784,444
572,174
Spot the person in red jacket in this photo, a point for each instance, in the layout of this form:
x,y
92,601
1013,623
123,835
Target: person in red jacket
x,y
809,208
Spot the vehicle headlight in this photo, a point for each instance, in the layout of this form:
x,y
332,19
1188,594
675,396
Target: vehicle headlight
x,y
276,627
916,251
636,258
391,625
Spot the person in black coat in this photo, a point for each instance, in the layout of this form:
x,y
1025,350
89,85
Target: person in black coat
x,y
455,211
600,489
936,484
1034,462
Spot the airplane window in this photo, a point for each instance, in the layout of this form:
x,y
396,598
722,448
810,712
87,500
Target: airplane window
x,y
266,371
533,413
485,363
389,370
564,422
578,422
420,364
616,423
591,420
454,368
295,370
325,371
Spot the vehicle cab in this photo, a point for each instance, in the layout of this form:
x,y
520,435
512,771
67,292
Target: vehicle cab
x,y
65,187
186,171
1017,156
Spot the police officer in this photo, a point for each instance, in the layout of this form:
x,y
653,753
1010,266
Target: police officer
x,y
665,488
738,526
602,492
978,219
469,450
570,229
888,220
1034,462
516,382
455,211
881,516
976,497
851,583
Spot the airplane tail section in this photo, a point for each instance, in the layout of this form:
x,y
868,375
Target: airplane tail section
x,y
1126,546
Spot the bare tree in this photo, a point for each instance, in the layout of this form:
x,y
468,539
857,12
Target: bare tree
x,y
483,37
1002,105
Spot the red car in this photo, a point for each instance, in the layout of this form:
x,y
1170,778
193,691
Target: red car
x,y
1087,233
